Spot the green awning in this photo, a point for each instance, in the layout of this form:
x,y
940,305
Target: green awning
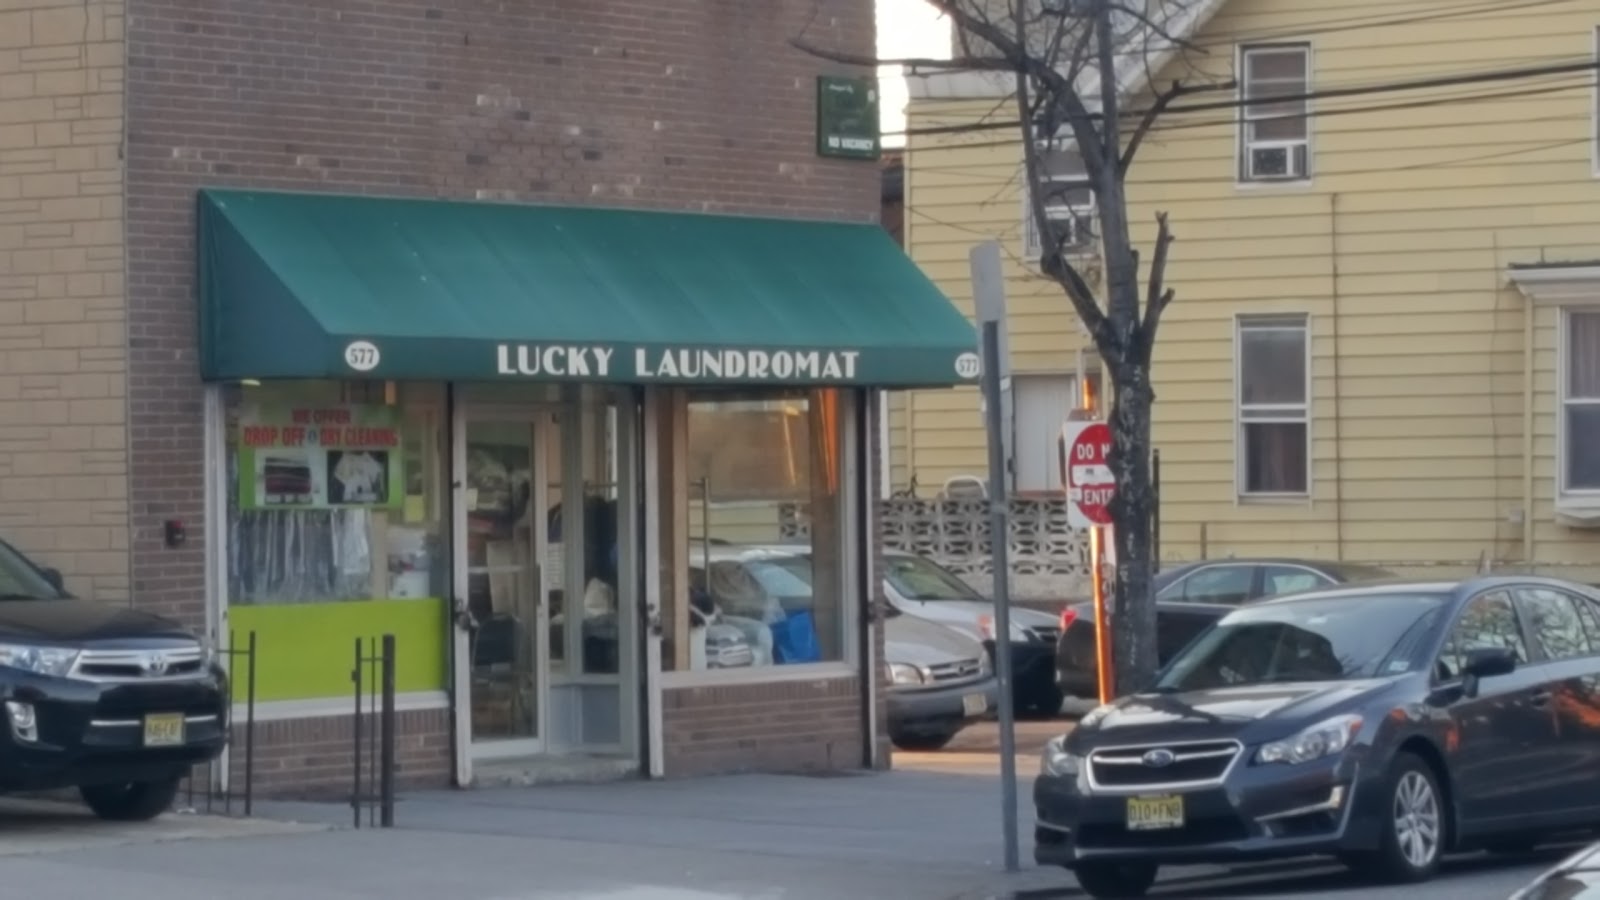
x,y
330,286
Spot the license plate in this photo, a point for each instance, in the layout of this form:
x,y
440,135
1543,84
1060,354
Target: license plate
x,y
163,730
1155,813
974,704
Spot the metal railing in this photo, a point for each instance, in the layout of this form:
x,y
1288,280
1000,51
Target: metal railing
x,y
373,731
216,786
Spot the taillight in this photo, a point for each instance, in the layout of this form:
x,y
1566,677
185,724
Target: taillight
x,y
1068,616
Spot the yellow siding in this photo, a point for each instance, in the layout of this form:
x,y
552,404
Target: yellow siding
x,y
1398,251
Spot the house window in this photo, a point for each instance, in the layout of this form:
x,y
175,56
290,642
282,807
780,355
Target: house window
x,y
1069,201
1274,398
1276,133
1580,401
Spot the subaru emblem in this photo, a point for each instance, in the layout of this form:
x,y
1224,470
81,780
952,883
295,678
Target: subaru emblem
x,y
1160,759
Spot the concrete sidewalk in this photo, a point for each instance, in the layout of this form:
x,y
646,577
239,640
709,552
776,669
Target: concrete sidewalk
x,y
881,835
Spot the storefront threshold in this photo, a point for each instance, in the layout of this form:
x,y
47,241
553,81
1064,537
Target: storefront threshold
x,y
527,771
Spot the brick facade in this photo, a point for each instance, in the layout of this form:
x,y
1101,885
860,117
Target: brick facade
x,y
313,758
692,105
63,397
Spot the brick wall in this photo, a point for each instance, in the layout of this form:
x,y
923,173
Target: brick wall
x,y
314,758
63,450
686,105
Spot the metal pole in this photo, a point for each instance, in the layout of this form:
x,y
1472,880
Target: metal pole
x,y
250,727
355,726
1104,673
1002,591
386,790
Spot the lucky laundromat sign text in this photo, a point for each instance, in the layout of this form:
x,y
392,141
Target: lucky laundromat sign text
x,y
674,363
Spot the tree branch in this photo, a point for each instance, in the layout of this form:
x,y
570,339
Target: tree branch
x,y
1057,266
1163,100
1157,295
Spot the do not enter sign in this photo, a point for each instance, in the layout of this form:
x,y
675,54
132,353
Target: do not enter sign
x,y
1086,475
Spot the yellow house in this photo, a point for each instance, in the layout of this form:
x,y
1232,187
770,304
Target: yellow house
x,y
1386,340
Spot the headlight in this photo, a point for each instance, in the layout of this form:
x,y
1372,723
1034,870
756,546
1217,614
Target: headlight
x,y
208,653
1328,738
55,661
986,628
1056,762
901,673
985,667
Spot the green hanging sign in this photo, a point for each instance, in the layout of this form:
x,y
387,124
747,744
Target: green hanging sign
x,y
847,117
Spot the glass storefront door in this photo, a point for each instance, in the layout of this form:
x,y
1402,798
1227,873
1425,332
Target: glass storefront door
x,y
503,535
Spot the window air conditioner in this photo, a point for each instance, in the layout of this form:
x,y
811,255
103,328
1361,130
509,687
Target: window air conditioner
x,y
1281,163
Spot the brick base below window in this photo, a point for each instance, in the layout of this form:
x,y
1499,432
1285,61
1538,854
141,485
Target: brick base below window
x,y
314,758
781,727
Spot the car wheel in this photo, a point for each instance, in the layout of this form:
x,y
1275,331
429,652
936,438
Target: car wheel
x,y
1412,836
1115,879
1040,700
140,801
922,740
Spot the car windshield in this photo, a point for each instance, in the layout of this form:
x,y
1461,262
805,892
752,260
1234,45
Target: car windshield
x,y
20,580
781,575
1327,639
915,578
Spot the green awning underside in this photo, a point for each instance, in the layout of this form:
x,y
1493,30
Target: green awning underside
x,y
328,286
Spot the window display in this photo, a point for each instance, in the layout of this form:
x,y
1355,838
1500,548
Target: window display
x,y
757,590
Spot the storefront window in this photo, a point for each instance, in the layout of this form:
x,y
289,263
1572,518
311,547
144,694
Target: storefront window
x,y
757,580
337,530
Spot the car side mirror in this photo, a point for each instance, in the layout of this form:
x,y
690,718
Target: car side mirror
x,y
53,576
1485,662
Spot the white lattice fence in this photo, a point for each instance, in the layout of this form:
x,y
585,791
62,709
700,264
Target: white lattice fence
x,y
1048,560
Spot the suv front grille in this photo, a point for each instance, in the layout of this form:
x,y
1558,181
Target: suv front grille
x,y
963,670
163,664
1156,765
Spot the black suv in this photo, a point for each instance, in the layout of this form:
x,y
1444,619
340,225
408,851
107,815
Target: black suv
x,y
116,703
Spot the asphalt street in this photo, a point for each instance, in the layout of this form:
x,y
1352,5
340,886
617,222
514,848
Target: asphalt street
x,y
927,831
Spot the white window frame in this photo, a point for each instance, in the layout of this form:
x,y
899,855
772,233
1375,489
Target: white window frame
x,y
1565,400
1268,413
1243,145
1082,244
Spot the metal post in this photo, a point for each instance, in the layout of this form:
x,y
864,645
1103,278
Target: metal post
x,y
355,726
988,289
1155,526
386,772
250,727
998,531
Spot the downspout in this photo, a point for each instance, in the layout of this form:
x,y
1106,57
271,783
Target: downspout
x,y
1338,422
1528,311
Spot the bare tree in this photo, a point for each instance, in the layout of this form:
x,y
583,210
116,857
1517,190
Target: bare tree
x,y
1072,63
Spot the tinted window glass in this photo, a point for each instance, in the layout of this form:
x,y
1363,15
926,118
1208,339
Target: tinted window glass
x,y
20,580
1488,622
1553,618
1290,579
1219,584
1312,640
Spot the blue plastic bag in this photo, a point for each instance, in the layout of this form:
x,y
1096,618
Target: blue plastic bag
x,y
794,639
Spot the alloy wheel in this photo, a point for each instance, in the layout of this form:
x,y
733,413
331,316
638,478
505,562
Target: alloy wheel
x,y
1416,819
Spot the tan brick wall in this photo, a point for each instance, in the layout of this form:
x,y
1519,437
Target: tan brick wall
x,y
63,397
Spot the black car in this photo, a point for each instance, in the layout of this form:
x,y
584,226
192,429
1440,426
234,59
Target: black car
x,y
116,703
1383,724
1191,596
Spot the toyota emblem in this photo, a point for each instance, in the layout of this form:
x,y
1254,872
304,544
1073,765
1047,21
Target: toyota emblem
x,y
1160,759
155,665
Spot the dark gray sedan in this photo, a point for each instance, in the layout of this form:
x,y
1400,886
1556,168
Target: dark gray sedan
x,y
1190,597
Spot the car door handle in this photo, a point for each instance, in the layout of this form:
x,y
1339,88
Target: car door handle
x,y
1539,699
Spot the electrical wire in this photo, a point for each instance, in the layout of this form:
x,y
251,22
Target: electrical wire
x,y
1321,113
1486,76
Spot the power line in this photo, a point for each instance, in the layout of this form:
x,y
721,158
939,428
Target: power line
x,y
1589,64
1319,113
